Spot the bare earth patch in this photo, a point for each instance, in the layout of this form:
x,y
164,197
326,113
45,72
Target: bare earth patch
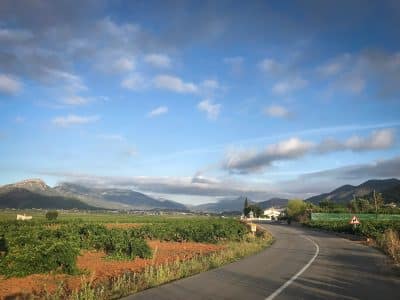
x,y
98,268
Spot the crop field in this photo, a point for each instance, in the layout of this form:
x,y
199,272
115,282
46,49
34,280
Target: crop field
x,y
81,251
348,216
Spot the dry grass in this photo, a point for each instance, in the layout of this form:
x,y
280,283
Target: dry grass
x,y
390,243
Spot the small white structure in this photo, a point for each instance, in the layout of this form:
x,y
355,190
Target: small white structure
x,y
24,217
272,213
251,215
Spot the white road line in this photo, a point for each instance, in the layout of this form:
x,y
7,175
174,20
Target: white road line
x,y
290,281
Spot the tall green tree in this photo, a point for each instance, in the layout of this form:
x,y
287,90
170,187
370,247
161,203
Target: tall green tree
x,y
246,209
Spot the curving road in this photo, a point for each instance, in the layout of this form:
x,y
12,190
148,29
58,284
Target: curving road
x,y
301,264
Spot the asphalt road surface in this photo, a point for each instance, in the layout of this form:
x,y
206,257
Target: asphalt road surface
x,y
301,264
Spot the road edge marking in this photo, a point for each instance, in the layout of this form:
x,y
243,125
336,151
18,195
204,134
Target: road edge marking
x,y
295,276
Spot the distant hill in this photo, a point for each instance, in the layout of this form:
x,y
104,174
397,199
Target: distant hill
x,y
273,202
236,204
117,198
35,193
390,189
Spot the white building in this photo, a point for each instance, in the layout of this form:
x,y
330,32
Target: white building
x,y
24,217
272,213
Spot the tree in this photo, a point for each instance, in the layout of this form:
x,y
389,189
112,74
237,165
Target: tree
x,y
296,208
257,211
51,215
246,208
326,205
378,202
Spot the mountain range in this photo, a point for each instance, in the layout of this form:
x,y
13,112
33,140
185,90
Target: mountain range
x,y
236,205
389,188
35,193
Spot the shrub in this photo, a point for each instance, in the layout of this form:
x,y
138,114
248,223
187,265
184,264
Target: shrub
x,y
120,244
51,215
41,257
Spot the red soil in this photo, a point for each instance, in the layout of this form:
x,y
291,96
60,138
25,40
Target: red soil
x,y
100,269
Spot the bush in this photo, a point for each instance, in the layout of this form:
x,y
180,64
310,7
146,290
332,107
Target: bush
x,y
40,257
296,208
120,244
52,215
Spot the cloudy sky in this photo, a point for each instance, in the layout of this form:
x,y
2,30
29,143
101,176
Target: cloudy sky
x,y
199,101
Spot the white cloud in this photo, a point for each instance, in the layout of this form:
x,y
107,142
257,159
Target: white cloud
x,y
75,100
236,63
73,83
158,60
124,64
174,84
158,111
134,82
286,86
253,161
210,84
211,109
14,35
334,66
330,69
269,65
379,139
9,85
379,71
70,120
354,84
277,111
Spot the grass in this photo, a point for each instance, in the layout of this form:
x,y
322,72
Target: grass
x,y
389,242
152,276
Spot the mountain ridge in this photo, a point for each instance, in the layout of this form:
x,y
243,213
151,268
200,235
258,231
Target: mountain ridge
x,y
35,193
343,194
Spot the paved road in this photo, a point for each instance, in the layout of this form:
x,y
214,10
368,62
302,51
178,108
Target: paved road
x,y
301,264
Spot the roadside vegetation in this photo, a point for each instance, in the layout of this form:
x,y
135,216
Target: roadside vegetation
x,y
379,223
52,246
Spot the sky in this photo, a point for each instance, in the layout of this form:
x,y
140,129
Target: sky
x,y
198,101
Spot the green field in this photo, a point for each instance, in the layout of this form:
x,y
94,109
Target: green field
x,y
41,246
54,245
348,216
100,217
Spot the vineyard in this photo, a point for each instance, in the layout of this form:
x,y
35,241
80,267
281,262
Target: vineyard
x,y
67,246
39,247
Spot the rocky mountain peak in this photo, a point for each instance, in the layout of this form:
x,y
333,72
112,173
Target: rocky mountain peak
x,y
35,184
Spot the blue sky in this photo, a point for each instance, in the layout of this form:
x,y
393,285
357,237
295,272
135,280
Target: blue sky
x,y
198,101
